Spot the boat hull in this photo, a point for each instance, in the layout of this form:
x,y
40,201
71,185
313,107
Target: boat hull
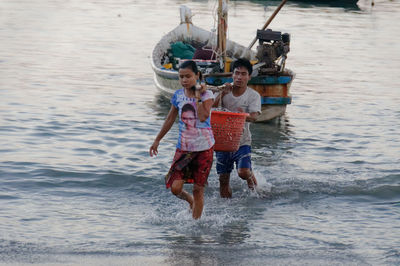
x,y
274,89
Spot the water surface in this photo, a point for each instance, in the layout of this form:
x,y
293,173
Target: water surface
x,y
79,110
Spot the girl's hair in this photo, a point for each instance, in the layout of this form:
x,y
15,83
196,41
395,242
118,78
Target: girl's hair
x,y
191,65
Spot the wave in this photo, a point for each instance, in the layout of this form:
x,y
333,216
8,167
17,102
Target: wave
x,y
46,178
387,187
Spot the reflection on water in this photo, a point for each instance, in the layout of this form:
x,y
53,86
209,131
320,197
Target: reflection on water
x,y
272,140
183,249
161,105
272,133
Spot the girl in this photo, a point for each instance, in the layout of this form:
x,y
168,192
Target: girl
x,y
193,159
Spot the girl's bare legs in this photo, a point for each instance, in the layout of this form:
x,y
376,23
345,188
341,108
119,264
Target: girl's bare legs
x,y
177,190
196,201
198,196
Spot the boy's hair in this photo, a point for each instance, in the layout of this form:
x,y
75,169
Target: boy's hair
x,y
243,62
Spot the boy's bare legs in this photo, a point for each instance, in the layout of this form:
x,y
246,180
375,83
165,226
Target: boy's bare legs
x,y
248,175
198,203
224,189
177,190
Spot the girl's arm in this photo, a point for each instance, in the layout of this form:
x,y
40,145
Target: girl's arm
x,y
169,121
203,109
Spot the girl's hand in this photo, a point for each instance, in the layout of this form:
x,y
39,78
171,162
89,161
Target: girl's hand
x,y
197,94
202,89
154,148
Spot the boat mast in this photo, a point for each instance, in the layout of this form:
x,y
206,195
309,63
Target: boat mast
x,y
222,27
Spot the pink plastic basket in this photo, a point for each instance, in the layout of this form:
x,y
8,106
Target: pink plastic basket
x,y
228,129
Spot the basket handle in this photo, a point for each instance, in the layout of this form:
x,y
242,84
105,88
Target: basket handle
x,y
218,89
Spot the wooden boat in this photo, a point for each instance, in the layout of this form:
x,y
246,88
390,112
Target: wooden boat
x,y
270,77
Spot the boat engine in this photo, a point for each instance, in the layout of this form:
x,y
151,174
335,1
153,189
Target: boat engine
x,y
271,51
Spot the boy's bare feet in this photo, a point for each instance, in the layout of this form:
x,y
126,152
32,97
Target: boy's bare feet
x,y
225,191
252,182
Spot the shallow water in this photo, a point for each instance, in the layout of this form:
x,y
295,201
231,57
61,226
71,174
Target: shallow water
x,y
79,110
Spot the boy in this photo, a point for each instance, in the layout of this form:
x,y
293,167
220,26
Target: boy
x,y
238,98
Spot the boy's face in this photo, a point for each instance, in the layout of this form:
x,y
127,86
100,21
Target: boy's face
x,y
240,77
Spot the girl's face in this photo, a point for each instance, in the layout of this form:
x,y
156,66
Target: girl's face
x,y
187,77
189,119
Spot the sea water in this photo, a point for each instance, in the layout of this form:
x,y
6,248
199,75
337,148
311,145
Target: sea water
x,y
79,111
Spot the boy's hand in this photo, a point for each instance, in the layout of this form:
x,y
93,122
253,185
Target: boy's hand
x,y
227,87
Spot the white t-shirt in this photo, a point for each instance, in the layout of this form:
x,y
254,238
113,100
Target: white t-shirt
x,y
249,102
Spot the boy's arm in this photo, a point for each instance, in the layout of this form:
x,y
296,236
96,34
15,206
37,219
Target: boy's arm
x,y
255,108
227,87
252,117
